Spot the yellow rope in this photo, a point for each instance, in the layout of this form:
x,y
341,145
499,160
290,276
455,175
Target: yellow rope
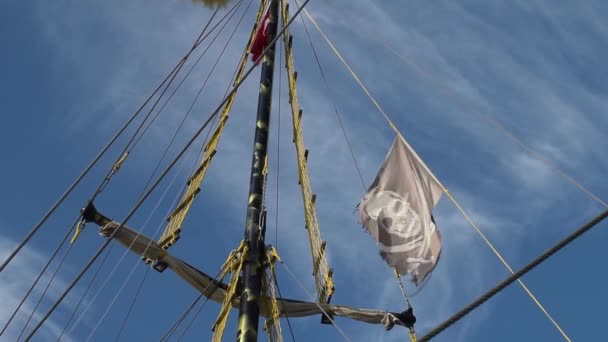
x,y
265,168
405,296
233,264
273,323
176,219
450,196
120,161
412,332
321,271
79,229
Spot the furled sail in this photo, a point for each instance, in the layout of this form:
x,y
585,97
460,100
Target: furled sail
x,y
397,212
216,290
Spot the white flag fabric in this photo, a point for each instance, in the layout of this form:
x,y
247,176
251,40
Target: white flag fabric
x,y
397,212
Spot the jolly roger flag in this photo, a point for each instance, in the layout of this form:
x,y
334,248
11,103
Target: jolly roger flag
x,y
397,212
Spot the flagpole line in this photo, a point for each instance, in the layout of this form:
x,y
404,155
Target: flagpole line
x,y
444,189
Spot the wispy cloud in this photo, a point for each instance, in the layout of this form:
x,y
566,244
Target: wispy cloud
x,y
505,65
15,281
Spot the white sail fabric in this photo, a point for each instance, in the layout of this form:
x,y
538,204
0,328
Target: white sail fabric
x,y
216,291
397,212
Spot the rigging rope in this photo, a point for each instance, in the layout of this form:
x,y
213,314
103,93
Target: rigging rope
x,y
316,303
333,102
140,286
183,316
412,333
78,179
149,216
233,264
101,153
515,276
113,271
197,43
200,154
236,75
29,291
103,261
161,177
276,283
173,229
180,319
46,288
508,267
183,120
280,88
82,175
230,13
173,328
276,237
273,323
229,266
492,122
321,271
132,304
112,171
100,188
109,276
189,110
352,154
448,194
187,328
134,140
109,239
502,129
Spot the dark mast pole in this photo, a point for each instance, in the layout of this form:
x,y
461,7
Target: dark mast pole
x,y
255,228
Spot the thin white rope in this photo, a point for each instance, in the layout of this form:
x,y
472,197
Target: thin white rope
x,y
181,167
313,299
450,196
111,274
485,116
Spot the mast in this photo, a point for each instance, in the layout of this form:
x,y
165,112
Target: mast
x,y
255,224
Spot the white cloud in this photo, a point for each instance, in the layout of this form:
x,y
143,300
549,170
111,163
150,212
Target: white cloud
x,y
15,280
531,172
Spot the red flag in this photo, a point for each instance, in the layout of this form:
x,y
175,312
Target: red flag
x,y
261,37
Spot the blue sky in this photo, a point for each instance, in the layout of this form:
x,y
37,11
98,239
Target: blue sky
x,y
73,72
